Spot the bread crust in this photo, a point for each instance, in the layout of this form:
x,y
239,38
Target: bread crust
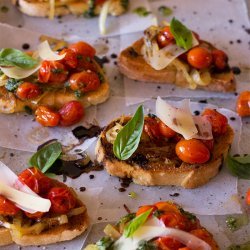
x,y
75,227
160,166
132,64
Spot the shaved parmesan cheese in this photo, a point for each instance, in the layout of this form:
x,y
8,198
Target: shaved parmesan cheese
x,y
19,73
51,9
147,232
177,119
46,53
204,128
103,17
25,200
10,179
160,58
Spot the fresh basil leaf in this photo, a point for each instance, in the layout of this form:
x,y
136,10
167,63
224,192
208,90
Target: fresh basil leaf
x,y
239,166
105,243
46,156
14,57
183,36
141,11
128,138
136,223
165,11
12,84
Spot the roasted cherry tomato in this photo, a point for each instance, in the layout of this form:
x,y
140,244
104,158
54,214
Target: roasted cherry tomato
x,y
165,37
174,220
243,104
84,81
209,144
71,113
28,90
166,131
151,127
85,63
52,72
35,216
167,243
35,180
203,234
98,2
217,120
199,58
70,58
82,48
62,200
248,197
192,151
220,59
145,208
7,207
47,117
165,207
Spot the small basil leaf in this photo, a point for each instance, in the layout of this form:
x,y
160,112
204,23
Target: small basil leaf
x,y
165,11
239,166
136,223
128,138
14,57
183,36
46,156
141,11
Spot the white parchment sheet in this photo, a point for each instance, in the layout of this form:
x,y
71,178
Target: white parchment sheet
x,y
223,23
83,27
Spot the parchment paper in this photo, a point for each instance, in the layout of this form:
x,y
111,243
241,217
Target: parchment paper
x,y
223,23
83,27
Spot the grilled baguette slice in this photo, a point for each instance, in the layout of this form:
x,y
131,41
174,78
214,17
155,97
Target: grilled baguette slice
x,y
132,64
77,225
157,164
41,8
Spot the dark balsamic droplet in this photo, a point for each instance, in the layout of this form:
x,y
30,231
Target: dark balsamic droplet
x,y
82,132
174,195
91,177
82,189
113,56
25,46
196,112
203,101
122,190
232,118
236,70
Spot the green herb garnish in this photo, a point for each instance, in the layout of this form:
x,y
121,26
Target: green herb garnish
x,y
14,57
132,195
136,223
146,245
234,223
28,110
125,219
188,215
183,36
165,11
105,243
141,11
101,77
78,94
129,136
239,166
46,156
12,84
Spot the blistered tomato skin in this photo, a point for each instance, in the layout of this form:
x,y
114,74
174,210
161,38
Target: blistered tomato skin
x,y
218,121
28,90
7,207
220,59
70,58
35,180
71,113
166,243
47,117
199,58
243,104
165,37
248,197
151,128
52,72
145,208
192,151
82,48
62,200
35,216
166,131
84,81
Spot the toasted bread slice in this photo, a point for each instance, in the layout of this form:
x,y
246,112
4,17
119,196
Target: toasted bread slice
x,y
76,226
153,164
38,8
133,65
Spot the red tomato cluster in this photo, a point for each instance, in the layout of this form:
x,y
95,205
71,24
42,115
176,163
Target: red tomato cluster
x,y
173,216
155,128
78,69
243,104
198,57
62,199
69,114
